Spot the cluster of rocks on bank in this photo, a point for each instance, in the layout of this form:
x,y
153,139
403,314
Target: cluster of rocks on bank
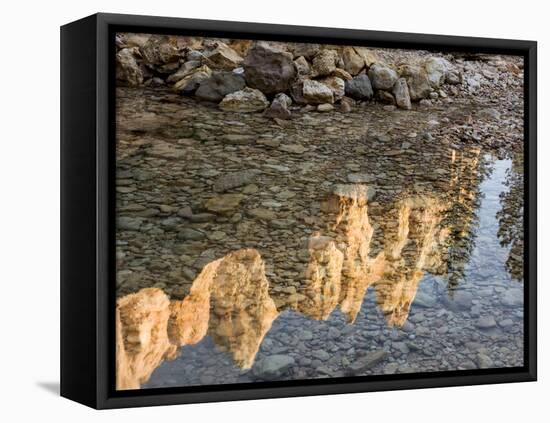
x,y
271,77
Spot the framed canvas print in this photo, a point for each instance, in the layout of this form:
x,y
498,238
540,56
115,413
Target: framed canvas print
x,y
254,211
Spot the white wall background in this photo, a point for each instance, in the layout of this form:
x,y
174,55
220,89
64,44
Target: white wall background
x,y
29,209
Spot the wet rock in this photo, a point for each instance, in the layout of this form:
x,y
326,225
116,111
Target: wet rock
x,y
401,93
223,57
354,191
262,214
484,361
359,88
512,297
190,234
224,203
246,101
360,178
462,300
324,63
486,322
382,77
364,363
273,366
320,355
130,70
424,300
293,148
268,69
234,180
219,85
417,81
129,223
315,92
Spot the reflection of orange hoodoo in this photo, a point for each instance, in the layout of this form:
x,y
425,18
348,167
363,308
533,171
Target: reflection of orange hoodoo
x,y
229,301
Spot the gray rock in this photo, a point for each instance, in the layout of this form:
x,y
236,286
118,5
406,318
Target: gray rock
x,y
484,361
129,223
436,69
512,298
486,322
247,100
364,363
273,366
424,300
360,178
315,92
320,355
359,88
268,69
462,300
382,77
401,93
219,85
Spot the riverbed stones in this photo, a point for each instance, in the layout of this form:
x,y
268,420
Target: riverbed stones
x,y
382,77
234,180
486,322
219,85
190,234
512,297
224,203
361,364
273,365
315,92
247,100
268,69
401,94
279,107
326,107
359,88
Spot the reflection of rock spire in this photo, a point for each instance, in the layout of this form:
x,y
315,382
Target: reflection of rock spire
x,y
142,342
229,301
412,247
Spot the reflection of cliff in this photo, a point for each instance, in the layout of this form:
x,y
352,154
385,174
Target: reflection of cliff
x,y
228,301
510,218
141,336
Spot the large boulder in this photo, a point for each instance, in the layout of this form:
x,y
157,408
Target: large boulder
x,y
324,63
268,69
159,50
382,77
336,85
223,57
417,81
353,62
436,69
401,94
359,88
315,92
128,68
247,100
190,82
219,85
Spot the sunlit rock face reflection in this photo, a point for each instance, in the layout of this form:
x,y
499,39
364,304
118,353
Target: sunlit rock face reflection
x,y
228,301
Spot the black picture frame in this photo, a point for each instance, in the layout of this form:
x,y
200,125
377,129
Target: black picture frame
x,y
87,210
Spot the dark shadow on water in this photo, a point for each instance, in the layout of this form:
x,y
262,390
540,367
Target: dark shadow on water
x,y
51,387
